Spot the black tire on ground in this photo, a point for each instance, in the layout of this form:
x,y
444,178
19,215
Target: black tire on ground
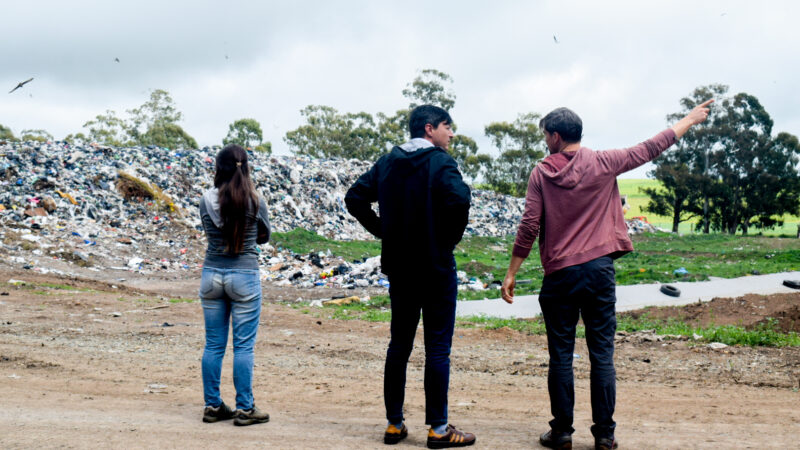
x,y
672,291
794,284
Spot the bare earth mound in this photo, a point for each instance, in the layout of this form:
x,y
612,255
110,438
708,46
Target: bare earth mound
x,y
748,311
86,364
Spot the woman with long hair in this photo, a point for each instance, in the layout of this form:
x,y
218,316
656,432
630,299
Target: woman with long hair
x,y
235,221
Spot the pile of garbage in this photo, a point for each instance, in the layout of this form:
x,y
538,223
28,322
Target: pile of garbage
x,y
136,209
639,225
110,186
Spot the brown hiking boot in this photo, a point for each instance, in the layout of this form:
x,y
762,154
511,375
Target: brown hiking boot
x,y
250,416
559,441
605,444
393,435
453,438
221,412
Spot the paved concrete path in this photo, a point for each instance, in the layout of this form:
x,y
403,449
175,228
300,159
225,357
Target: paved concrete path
x,y
641,295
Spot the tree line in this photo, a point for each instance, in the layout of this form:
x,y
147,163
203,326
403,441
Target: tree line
x,y
329,133
154,123
729,174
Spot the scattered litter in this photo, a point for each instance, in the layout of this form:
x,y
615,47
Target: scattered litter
x,y
717,345
343,301
157,307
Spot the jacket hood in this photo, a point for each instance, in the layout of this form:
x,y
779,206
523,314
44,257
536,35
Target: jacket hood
x,y
211,199
404,163
563,171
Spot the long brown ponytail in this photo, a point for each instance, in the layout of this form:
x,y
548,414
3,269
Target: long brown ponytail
x,y
236,195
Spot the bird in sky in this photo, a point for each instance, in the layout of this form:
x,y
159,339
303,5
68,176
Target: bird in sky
x,y
116,59
555,39
22,83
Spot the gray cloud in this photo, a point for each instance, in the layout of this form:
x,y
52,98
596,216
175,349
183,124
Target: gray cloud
x,y
623,65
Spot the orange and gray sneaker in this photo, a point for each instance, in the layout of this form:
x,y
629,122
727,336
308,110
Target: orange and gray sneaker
x,y
393,435
453,438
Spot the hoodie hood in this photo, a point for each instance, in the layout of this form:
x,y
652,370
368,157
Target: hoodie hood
x,y
415,144
405,162
211,199
564,171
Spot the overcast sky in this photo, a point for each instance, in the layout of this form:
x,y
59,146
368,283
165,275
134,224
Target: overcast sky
x,y
621,65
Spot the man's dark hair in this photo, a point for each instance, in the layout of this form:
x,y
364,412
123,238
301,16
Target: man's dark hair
x,y
426,114
565,122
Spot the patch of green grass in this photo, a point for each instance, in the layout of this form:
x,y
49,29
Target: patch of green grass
x,y
527,326
360,311
64,287
657,256
764,335
183,300
480,255
638,200
303,242
380,301
377,309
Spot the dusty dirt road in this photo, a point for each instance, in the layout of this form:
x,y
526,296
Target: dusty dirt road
x,y
120,368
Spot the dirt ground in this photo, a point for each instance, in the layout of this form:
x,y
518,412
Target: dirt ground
x,y
119,366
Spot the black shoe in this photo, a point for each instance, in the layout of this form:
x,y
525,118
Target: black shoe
x,y
250,416
560,441
605,443
221,412
393,435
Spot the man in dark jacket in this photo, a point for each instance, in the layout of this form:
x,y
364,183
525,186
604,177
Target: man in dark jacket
x,y
423,210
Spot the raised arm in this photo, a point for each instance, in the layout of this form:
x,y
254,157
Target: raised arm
x,y
697,115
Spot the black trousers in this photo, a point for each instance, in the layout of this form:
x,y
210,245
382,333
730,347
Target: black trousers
x,y
435,298
588,290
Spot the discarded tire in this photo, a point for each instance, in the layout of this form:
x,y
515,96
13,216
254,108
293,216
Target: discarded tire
x,y
794,284
672,291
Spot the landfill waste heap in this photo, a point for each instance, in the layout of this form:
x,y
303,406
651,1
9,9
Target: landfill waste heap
x,y
136,209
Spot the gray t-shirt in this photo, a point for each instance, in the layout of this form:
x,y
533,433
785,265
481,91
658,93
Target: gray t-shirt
x,y
216,256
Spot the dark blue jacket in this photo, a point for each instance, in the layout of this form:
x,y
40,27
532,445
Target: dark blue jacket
x,y
423,205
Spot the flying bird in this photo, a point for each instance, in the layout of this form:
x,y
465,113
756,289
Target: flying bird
x,y
116,59
555,39
23,83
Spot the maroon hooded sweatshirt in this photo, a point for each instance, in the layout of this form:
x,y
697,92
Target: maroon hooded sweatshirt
x,y
573,204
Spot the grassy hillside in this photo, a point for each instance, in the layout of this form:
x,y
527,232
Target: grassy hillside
x,y
638,200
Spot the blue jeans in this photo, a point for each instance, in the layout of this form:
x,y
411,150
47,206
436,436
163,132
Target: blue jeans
x,y
436,299
588,290
230,295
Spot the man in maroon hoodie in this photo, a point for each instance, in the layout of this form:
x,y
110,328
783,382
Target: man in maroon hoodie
x,y
573,206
